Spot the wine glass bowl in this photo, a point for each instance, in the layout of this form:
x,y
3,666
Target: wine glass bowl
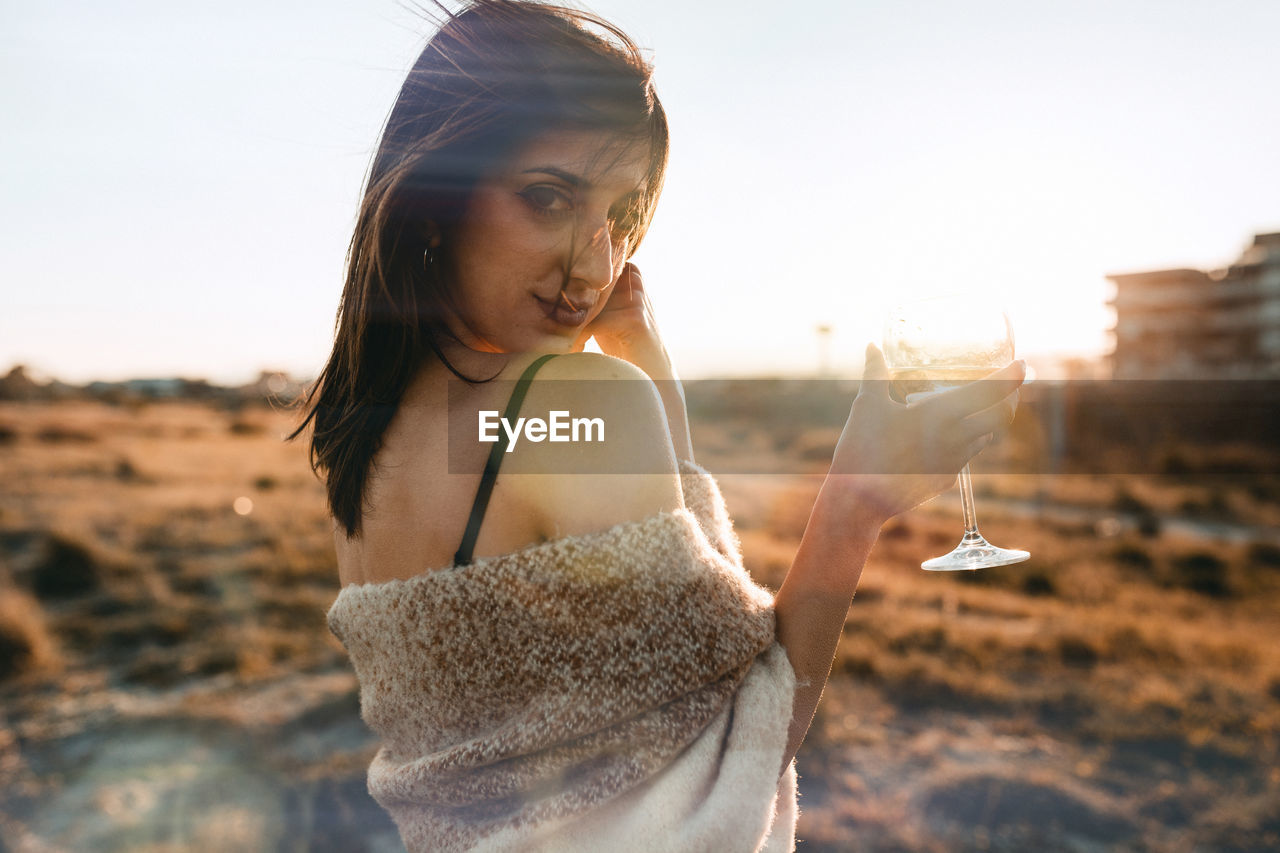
x,y
935,344
947,331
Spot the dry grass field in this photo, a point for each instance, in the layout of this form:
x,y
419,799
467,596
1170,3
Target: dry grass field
x,y
167,682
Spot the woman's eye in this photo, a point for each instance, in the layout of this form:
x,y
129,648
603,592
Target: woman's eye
x,y
545,199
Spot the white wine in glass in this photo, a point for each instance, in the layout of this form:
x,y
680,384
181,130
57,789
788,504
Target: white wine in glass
x,y
935,344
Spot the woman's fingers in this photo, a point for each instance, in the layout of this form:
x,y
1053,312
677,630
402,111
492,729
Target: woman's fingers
x,y
955,421
626,326
979,395
627,292
907,453
630,280
991,419
626,298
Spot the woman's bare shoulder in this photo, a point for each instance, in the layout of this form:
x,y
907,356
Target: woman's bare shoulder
x,y
614,397
592,365
606,454
619,400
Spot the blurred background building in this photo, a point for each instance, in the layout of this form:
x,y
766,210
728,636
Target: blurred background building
x,y
1185,323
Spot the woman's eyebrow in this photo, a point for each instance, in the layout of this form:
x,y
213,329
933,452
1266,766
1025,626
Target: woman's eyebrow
x,y
575,181
567,177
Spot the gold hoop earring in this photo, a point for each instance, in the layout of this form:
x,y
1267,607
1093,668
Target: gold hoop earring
x,y
428,258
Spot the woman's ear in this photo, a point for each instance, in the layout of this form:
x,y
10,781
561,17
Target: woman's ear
x,y
433,235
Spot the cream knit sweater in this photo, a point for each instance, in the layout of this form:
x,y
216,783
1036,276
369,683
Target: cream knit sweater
x,y
621,690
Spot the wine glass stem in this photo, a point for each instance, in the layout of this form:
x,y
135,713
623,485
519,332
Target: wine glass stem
x,y
971,534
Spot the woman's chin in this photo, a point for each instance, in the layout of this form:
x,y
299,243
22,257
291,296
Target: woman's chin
x,y
544,337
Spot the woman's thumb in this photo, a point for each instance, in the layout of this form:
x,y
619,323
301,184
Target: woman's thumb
x,y
875,365
875,374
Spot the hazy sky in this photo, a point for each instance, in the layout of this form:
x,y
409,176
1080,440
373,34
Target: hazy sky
x,y
179,180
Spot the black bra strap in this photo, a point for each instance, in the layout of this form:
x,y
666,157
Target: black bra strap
x,y
463,555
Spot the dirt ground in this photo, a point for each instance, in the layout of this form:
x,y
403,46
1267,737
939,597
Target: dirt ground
x,y
167,681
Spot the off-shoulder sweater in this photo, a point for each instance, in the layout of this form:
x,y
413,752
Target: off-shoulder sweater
x,y
619,690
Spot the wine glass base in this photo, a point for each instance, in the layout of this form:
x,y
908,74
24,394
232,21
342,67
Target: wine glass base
x,y
975,555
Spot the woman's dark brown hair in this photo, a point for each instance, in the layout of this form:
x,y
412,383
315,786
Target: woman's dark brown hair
x,y
495,75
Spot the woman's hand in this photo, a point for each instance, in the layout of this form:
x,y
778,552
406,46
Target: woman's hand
x,y
627,329
892,456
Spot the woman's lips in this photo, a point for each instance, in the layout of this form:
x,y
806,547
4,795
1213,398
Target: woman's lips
x,y
560,312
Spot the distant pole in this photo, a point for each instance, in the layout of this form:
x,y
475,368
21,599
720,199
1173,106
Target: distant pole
x,y
824,350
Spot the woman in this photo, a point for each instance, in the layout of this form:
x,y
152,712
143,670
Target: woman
x,y
591,668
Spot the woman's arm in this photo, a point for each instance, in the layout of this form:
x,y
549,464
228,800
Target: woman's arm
x,y
890,457
813,601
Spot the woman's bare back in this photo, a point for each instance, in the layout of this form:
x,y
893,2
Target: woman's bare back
x,y
418,499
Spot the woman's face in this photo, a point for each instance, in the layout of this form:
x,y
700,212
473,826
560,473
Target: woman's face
x,y
542,240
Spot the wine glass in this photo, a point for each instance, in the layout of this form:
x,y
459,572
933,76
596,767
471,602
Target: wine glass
x,y
935,344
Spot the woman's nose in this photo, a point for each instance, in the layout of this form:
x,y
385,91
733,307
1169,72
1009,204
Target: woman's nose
x,y
592,261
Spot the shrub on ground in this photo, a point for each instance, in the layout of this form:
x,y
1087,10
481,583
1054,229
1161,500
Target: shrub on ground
x,y
1263,554
67,569
1202,572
